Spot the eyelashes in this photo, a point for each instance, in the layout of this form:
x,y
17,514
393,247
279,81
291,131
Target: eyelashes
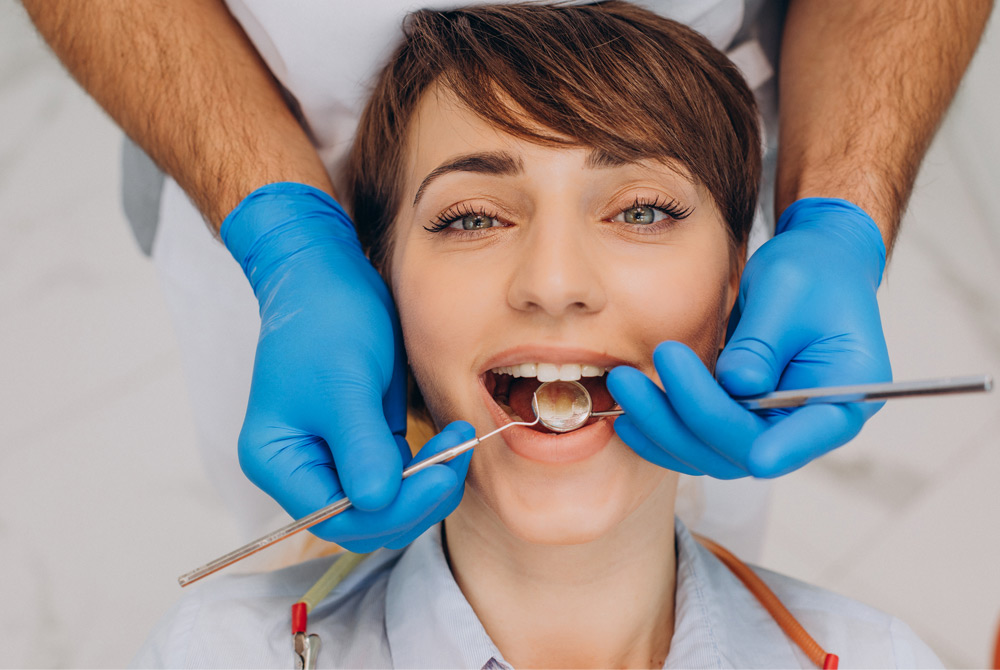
x,y
445,219
672,210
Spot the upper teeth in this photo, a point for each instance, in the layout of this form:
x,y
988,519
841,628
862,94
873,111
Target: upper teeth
x,y
550,372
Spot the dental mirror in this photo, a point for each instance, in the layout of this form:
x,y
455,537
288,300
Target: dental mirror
x,y
564,406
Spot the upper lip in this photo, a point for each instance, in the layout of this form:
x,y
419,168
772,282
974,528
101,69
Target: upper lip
x,y
532,353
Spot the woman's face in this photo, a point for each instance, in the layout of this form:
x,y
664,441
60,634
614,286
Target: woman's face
x,y
547,261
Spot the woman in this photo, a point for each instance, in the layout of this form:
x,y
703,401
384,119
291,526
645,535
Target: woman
x,y
536,217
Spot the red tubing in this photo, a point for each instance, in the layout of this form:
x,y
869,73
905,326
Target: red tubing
x,y
300,617
996,651
782,616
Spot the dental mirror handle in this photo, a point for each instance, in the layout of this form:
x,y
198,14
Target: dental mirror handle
x,y
858,393
869,392
329,511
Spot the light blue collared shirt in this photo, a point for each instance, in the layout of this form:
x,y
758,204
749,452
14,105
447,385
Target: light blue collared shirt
x,y
403,609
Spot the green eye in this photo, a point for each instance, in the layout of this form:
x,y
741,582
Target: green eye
x,y
465,219
475,222
642,215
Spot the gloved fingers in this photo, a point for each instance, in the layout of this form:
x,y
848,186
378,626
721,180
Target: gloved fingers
x,y
454,434
422,501
420,494
854,354
704,407
805,434
858,358
821,376
645,447
368,459
442,511
868,410
295,469
650,411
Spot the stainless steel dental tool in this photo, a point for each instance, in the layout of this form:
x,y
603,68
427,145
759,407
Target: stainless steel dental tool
x,y
330,510
564,406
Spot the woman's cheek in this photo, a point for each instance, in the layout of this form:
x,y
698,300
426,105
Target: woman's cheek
x,y
678,301
434,310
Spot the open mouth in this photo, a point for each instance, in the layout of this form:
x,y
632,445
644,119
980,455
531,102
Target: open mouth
x,y
513,386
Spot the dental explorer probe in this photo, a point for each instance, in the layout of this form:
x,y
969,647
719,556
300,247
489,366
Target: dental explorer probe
x,y
564,406
330,510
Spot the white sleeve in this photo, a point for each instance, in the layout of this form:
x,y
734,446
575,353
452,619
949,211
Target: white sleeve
x,y
910,650
168,643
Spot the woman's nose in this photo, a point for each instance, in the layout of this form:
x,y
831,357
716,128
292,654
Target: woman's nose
x,y
558,270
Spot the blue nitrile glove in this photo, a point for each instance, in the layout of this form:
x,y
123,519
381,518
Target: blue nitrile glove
x,y
327,409
806,316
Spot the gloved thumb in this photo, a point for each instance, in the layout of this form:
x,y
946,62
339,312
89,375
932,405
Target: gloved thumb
x,y
760,347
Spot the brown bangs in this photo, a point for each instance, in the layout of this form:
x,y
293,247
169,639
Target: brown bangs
x,y
610,76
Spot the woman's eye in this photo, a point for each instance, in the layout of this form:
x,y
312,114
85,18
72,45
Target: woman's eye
x,y
464,220
641,215
474,222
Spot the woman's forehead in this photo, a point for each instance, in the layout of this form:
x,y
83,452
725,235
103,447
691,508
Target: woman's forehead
x,y
445,135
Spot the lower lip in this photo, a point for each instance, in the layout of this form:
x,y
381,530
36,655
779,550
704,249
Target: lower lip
x,y
551,448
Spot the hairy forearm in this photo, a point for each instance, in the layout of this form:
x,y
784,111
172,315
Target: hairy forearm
x,y
863,87
182,79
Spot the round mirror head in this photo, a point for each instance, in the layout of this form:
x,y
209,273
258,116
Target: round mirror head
x,y
562,406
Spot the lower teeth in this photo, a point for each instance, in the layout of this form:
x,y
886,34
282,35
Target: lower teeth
x,y
510,412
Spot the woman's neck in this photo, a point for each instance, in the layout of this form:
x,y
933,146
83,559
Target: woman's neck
x,y
604,604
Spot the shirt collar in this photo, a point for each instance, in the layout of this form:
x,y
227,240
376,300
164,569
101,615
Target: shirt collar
x,y
428,621
717,622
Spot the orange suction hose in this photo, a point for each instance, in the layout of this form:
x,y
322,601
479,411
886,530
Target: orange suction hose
x,y
793,629
996,651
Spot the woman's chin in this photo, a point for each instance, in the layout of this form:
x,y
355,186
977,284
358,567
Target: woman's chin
x,y
561,509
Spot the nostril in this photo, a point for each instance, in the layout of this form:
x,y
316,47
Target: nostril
x,y
557,286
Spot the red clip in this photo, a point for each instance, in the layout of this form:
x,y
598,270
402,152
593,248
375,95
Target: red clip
x,y
300,617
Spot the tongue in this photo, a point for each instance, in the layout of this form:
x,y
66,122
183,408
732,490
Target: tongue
x,y
520,394
521,391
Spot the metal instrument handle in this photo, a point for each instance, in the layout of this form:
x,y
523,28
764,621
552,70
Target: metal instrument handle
x,y
869,392
329,511
857,393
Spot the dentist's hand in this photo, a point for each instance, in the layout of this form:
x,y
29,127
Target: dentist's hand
x,y
327,409
806,316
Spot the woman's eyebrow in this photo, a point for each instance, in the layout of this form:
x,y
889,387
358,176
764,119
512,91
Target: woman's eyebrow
x,y
599,158
487,162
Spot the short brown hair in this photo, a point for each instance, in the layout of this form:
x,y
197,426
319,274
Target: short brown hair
x,y
610,76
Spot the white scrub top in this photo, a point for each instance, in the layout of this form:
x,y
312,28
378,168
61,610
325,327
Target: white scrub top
x,y
326,53
403,609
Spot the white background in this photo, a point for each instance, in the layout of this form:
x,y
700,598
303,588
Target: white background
x,y
103,502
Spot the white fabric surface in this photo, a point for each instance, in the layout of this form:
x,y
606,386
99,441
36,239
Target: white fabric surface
x,y
403,609
326,53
